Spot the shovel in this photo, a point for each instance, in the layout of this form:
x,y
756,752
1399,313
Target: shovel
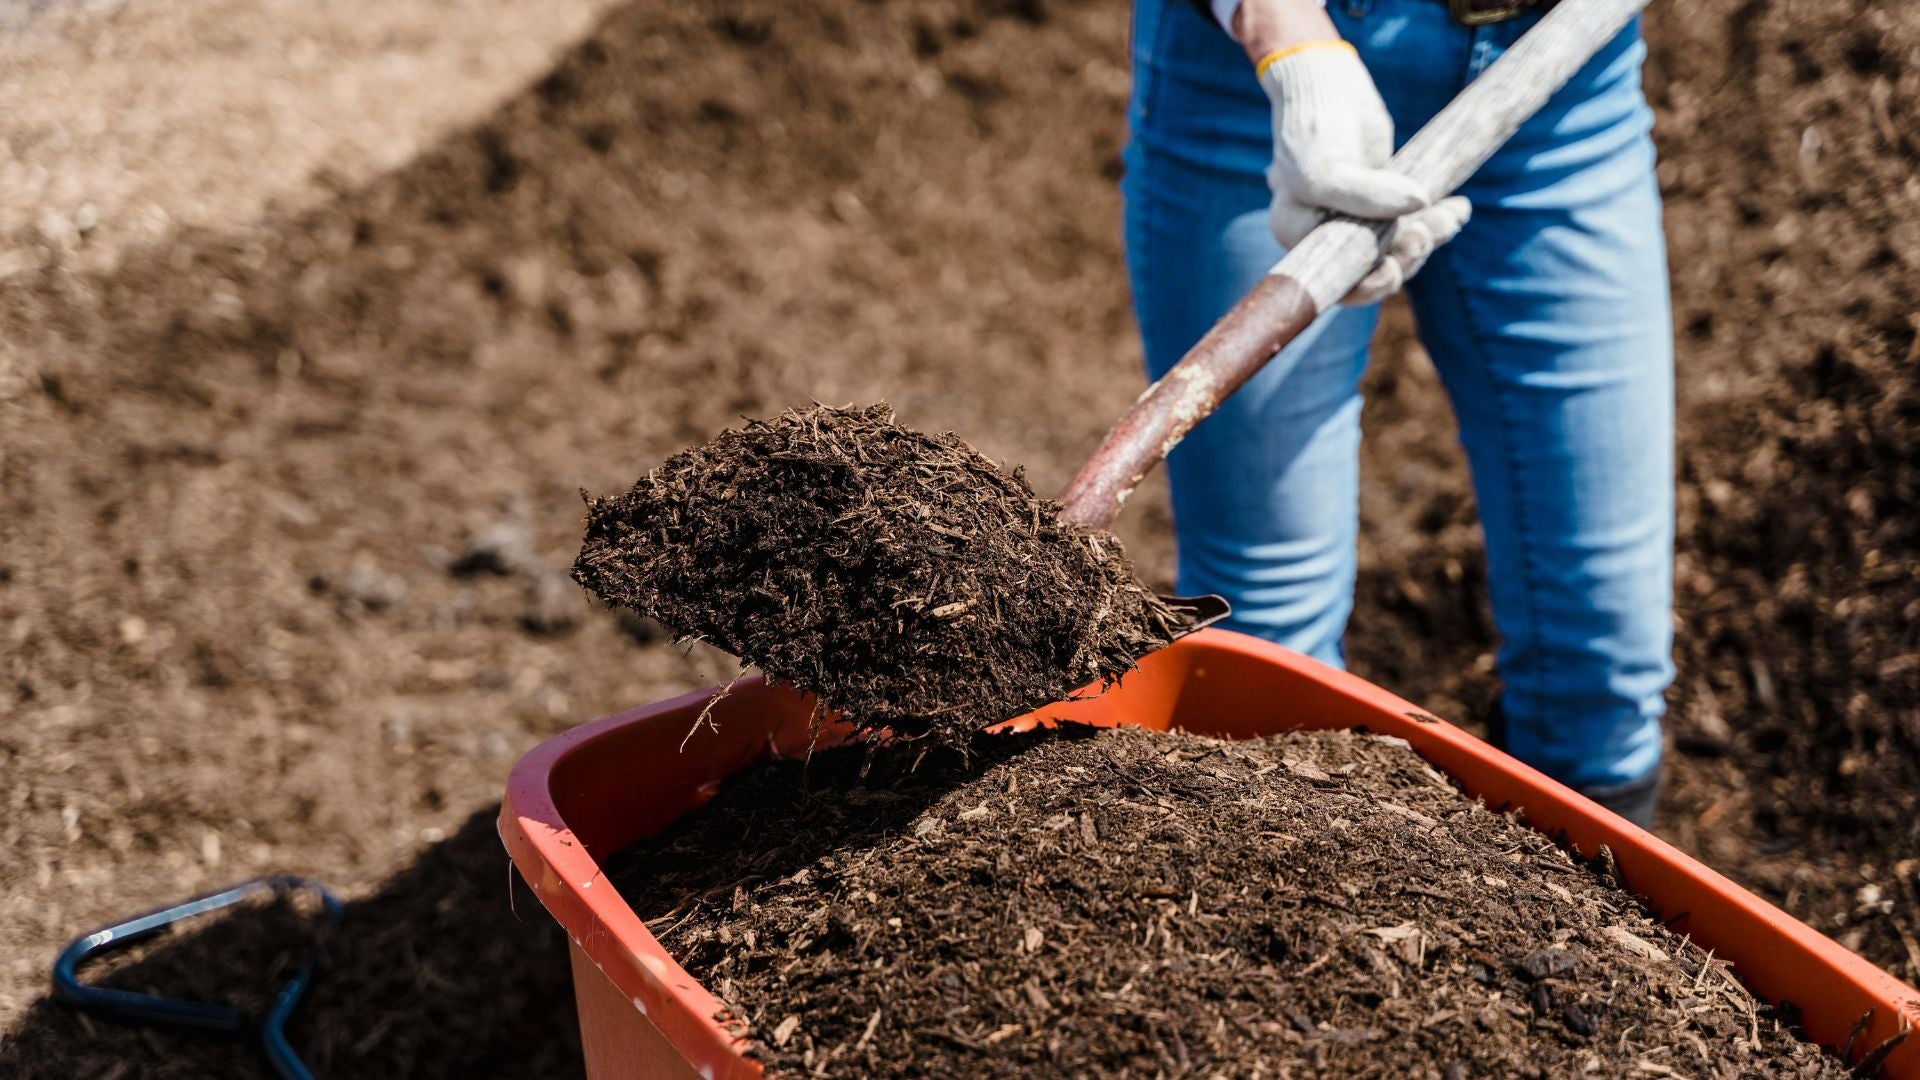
x,y
1330,261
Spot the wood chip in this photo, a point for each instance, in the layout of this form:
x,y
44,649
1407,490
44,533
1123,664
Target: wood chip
x,y
1306,770
1409,813
785,1030
1634,943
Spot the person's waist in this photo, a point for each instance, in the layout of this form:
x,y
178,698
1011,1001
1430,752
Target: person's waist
x,y
1477,12
1465,12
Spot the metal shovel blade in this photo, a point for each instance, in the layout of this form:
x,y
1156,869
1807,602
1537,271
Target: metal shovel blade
x,y
1200,611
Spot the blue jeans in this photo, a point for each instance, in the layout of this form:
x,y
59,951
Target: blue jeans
x,y
1547,319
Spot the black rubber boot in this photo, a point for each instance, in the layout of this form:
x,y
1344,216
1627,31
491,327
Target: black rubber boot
x,y
1634,800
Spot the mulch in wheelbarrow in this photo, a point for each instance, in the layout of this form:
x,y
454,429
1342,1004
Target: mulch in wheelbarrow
x,y
903,577
1137,904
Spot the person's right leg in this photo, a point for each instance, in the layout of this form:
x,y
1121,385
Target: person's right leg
x,y
1265,490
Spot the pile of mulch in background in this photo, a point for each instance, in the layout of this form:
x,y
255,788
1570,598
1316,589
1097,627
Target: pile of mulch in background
x,y
903,577
1133,903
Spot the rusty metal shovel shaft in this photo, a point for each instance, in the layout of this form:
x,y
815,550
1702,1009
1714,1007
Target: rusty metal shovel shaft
x,y
1333,258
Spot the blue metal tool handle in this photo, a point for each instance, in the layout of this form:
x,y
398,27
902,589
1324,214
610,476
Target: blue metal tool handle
x,y
126,1006
273,1027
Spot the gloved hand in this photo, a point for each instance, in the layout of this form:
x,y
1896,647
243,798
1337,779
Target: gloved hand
x,y
1332,138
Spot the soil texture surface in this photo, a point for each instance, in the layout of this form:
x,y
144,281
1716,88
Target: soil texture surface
x,y
316,319
911,583
1127,903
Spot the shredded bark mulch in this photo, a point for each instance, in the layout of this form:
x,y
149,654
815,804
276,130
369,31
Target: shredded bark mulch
x,y
1140,904
903,577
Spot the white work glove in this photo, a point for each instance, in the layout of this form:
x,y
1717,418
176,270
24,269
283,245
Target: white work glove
x,y
1332,139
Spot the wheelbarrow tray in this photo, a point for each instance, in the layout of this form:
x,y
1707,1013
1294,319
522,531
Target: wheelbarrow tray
x,y
578,798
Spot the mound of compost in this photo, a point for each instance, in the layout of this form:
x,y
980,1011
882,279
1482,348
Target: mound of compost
x,y
1128,903
903,577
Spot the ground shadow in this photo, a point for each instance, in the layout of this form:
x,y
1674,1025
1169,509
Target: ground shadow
x,y
441,973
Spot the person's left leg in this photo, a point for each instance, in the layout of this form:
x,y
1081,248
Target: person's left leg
x,y
1548,319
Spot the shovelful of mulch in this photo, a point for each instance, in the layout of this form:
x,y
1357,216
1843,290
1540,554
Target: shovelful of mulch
x,y
913,584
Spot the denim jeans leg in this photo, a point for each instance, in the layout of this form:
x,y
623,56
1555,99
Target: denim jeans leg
x,y
1548,319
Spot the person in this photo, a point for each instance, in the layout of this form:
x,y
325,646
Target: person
x,y
1544,307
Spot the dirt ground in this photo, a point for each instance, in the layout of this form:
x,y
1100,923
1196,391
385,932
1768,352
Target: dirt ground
x,y
314,321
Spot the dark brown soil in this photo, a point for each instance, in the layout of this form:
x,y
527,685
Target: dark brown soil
x,y
910,582
1129,903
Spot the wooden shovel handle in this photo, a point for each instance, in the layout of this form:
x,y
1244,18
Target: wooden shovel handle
x,y
1332,259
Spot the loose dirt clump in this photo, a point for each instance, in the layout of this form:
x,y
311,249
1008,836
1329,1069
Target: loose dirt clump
x,y
1129,903
903,577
